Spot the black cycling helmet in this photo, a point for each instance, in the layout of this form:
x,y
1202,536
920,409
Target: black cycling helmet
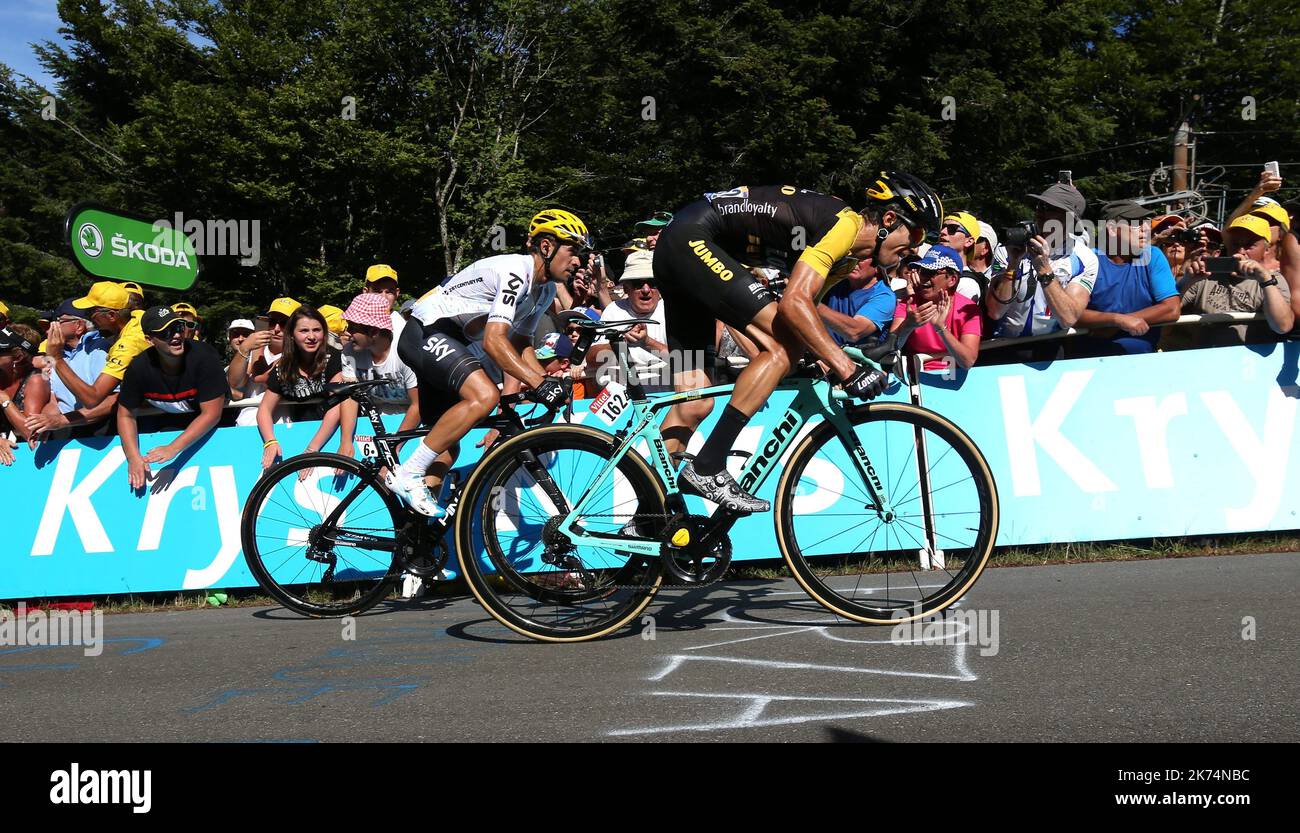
x,y
914,201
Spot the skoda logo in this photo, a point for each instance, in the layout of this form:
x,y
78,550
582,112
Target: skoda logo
x,y
92,241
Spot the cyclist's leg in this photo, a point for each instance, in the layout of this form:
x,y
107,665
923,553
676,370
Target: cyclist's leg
x,y
700,283
444,368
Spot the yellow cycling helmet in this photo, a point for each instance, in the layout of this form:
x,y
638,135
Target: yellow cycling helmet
x,y
565,225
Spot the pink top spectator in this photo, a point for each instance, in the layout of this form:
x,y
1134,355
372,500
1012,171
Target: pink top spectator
x,y
963,317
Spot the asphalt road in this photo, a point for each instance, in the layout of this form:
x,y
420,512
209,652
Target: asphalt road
x,y
1149,650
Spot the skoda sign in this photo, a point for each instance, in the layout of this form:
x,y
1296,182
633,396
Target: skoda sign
x,y
112,245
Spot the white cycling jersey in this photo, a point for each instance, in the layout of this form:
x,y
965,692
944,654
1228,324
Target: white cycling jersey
x,y
499,288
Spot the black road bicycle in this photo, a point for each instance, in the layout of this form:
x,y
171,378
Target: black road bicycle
x,y
323,534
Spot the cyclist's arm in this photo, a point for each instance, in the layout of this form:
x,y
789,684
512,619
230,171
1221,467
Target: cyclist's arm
x,y
498,345
799,311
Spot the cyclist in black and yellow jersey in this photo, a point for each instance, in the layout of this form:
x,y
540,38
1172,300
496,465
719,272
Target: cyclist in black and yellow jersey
x,y
699,267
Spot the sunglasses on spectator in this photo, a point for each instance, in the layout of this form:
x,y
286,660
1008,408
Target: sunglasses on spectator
x,y
573,331
954,228
361,329
277,320
176,328
637,283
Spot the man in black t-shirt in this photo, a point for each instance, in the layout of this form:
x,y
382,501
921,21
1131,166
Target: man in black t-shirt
x,y
177,375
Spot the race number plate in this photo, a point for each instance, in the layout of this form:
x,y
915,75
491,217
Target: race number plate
x,y
365,445
610,404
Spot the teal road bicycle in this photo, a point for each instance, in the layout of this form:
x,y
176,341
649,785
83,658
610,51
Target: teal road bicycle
x,y
885,512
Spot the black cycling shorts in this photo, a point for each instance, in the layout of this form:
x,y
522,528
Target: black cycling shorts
x,y
701,283
441,363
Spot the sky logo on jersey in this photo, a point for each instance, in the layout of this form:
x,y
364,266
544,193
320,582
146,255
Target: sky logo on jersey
x,y
708,259
511,292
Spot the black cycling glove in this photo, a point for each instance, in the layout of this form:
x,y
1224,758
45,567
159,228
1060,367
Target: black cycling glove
x,y
867,383
552,392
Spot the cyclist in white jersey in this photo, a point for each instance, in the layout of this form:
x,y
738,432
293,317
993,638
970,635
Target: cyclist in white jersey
x,y
498,301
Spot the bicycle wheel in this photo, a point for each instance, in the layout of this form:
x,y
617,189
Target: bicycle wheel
x,y
312,567
514,562
863,565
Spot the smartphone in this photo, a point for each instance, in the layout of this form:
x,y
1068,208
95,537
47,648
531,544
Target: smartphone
x,y
1065,177
1272,168
1221,265
261,323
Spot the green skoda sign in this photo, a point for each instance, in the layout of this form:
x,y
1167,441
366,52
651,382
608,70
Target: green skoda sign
x,y
115,246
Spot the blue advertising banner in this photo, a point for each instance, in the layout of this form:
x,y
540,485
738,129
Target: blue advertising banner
x,y
1169,444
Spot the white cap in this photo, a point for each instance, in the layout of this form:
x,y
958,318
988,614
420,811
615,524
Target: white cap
x,y
241,324
987,233
639,266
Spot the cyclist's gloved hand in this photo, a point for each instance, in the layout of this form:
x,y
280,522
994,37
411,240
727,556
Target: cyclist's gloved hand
x,y
552,392
867,383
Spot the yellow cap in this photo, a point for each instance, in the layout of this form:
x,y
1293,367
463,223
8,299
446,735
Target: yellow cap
x,y
1273,211
333,319
1252,223
380,271
133,288
4,309
284,306
967,221
105,294
186,307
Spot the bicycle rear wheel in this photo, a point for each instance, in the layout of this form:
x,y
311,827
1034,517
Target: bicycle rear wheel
x,y
521,570
860,563
310,566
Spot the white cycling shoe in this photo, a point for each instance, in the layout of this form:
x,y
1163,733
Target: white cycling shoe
x,y
415,494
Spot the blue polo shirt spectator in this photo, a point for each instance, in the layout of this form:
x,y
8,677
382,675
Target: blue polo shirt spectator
x,y
1135,289
859,309
86,357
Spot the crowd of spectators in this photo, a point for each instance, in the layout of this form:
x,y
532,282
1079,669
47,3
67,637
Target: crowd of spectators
x,y
104,362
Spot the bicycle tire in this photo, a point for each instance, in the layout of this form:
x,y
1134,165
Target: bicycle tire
x,y
801,525
512,582
311,587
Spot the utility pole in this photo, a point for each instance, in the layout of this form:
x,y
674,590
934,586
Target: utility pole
x,y
1181,139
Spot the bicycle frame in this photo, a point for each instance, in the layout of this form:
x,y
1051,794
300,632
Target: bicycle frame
x,y
813,398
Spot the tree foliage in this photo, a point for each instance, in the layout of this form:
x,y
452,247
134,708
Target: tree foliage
x,y
473,114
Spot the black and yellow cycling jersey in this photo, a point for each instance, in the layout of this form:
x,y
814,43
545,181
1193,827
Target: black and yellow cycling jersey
x,y
778,226
702,257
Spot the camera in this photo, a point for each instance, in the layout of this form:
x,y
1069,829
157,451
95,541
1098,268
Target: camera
x,y
1019,235
1186,236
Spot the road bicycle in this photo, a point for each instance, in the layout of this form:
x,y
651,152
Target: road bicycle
x,y
884,512
323,534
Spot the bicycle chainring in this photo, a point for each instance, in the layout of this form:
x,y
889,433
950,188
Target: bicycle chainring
x,y
696,560
422,547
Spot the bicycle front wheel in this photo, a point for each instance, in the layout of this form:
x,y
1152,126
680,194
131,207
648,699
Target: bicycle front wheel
x,y
881,565
310,564
517,565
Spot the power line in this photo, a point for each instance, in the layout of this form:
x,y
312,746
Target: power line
x,y
1099,150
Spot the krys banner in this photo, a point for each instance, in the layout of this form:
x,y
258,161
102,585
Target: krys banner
x,y
117,246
